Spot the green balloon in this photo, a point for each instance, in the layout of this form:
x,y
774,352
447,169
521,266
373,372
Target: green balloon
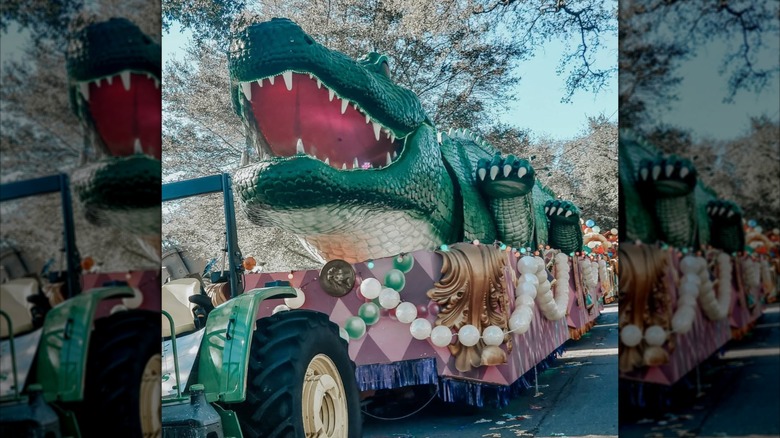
x,y
395,279
403,263
369,313
355,327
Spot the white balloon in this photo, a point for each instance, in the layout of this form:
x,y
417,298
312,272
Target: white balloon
x,y
682,321
370,288
541,276
526,314
686,300
389,298
689,289
297,302
526,265
544,287
529,278
524,326
525,288
540,265
406,312
515,322
468,335
689,265
493,335
420,328
525,301
441,336
280,308
631,335
655,335
690,278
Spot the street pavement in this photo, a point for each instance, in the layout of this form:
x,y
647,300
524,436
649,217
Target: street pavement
x,y
737,393
577,397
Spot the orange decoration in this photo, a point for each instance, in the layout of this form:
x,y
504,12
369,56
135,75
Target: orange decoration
x,y
87,263
249,263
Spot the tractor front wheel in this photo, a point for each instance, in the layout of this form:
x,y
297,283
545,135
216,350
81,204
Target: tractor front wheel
x,y
301,382
123,377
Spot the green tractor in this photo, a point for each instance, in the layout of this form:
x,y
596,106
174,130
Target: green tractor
x,y
227,373
66,368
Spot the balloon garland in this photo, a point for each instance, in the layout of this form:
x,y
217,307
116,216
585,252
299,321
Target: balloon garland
x,y
532,288
718,307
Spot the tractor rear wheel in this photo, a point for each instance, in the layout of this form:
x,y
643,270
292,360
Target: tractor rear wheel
x,y
122,387
301,382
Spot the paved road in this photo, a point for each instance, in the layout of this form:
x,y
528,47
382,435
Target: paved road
x,y
738,392
578,397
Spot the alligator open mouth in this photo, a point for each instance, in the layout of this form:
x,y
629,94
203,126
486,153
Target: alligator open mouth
x,y
126,112
297,114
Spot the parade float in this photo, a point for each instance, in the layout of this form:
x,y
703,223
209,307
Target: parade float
x,y
79,342
444,262
688,282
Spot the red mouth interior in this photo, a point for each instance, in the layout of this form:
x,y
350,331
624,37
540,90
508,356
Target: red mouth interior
x,y
306,113
121,116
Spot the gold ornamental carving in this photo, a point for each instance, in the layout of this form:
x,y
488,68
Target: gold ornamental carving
x,y
472,291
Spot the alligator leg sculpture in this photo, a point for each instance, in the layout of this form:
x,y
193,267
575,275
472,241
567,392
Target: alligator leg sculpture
x,y
350,162
665,201
114,90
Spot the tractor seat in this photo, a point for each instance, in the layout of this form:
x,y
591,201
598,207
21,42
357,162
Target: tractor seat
x,y
175,301
13,301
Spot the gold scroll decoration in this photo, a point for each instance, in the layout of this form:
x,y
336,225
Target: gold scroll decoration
x,y
472,291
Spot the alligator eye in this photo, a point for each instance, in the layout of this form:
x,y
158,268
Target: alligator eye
x,y
385,68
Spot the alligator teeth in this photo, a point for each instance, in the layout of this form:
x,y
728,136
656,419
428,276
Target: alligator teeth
x,y
110,80
319,84
568,213
395,155
355,164
344,105
259,82
481,172
392,137
327,161
97,82
656,171
683,172
521,172
731,213
389,159
438,137
560,210
331,93
507,169
246,87
271,80
287,76
669,170
343,166
125,75
377,128
84,89
137,147
493,172
546,209
299,147
643,174
368,119
156,83
311,76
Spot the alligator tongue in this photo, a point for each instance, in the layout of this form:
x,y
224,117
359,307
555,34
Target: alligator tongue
x,y
306,112
127,113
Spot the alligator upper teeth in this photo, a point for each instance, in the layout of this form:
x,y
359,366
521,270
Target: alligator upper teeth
x,y
344,103
125,77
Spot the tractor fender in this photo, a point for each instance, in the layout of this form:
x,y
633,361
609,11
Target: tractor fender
x,y
224,351
62,354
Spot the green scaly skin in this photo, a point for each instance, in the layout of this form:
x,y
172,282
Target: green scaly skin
x,y
120,191
665,201
441,188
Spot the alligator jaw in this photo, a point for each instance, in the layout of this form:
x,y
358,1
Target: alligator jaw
x,y
123,113
297,115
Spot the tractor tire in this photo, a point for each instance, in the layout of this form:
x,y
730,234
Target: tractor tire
x,y
122,387
301,381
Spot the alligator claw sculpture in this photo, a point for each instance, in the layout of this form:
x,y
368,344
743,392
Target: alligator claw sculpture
x,y
114,90
350,162
668,202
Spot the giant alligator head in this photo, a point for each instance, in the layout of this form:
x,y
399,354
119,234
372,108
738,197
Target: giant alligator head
x,y
114,89
348,160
